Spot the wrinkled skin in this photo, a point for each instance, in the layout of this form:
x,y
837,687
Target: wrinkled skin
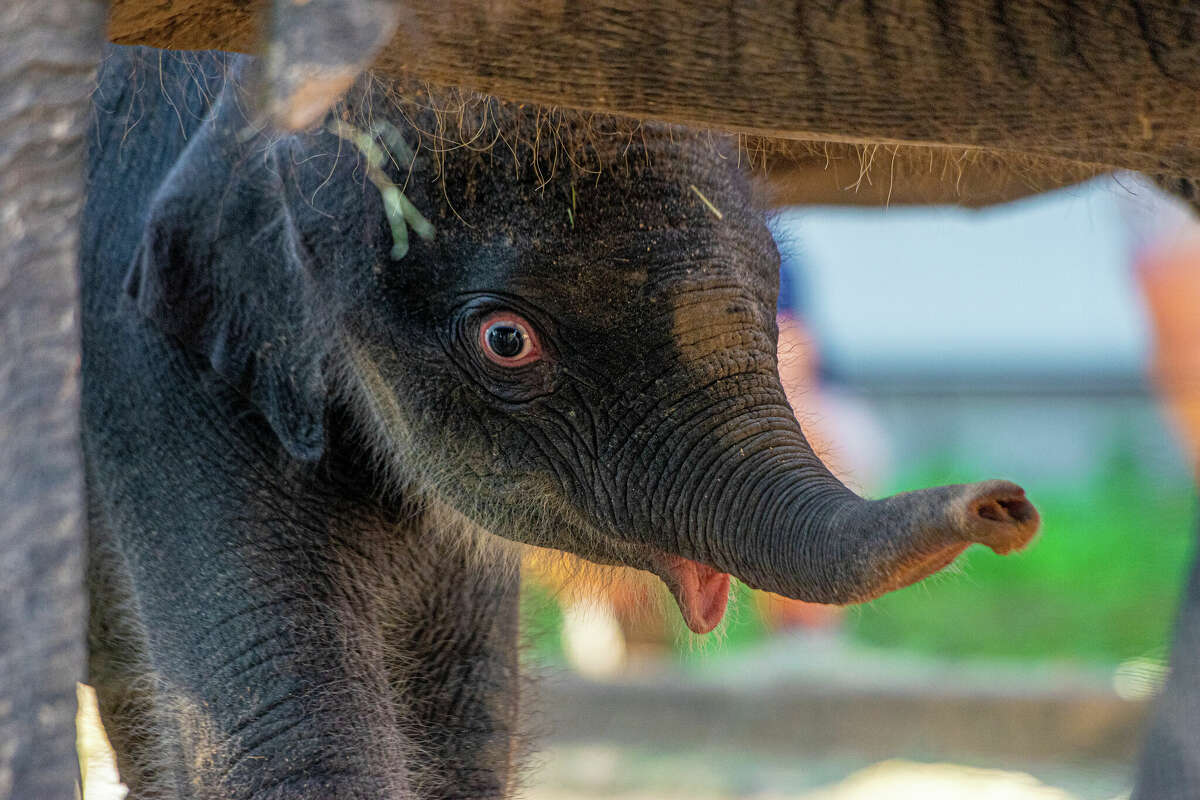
x,y
303,465
1050,83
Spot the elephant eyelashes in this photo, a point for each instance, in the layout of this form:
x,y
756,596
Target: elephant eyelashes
x,y
508,339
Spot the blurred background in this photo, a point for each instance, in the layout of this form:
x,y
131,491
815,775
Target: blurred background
x,y
924,346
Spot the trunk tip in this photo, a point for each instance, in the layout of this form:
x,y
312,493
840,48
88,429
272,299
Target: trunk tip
x,y
1000,516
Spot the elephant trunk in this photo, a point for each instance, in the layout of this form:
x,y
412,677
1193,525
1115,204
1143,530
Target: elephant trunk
x,y
780,521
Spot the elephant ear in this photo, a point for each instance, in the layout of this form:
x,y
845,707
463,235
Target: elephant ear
x,y
223,269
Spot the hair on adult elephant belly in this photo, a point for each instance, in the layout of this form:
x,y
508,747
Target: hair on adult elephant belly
x,y
334,380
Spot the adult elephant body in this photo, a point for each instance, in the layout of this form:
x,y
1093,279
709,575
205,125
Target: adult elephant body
x,y
1060,88
308,431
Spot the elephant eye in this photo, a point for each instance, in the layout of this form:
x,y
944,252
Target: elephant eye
x,y
508,339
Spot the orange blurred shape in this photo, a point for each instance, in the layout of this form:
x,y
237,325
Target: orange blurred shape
x,y
636,598
783,613
1169,272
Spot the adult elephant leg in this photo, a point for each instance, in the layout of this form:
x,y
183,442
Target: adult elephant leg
x,y
1169,272
46,70
1170,762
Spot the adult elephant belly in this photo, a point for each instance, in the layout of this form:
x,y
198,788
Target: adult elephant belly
x,y
1048,83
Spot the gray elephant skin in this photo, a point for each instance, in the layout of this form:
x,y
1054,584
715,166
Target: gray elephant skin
x,y
309,463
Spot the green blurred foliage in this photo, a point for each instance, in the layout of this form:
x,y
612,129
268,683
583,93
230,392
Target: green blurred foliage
x,y
541,623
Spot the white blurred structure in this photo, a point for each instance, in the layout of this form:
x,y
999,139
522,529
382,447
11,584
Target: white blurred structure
x,y
970,334
592,639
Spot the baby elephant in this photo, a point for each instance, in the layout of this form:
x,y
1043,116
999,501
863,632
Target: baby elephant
x,y
331,378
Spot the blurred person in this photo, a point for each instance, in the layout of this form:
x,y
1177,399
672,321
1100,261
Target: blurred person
x,y
1165,252
840,427
1167,264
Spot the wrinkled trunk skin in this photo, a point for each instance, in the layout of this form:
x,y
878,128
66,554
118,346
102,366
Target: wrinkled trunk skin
x,y
759,504
47,65
1115,86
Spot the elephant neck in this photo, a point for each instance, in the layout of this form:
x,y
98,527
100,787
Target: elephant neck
x,y
431,616
435,621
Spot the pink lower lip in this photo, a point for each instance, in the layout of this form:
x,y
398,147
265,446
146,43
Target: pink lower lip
x,y
701,592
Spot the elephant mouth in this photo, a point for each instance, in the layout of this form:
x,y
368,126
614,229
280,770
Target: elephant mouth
x,y
701,592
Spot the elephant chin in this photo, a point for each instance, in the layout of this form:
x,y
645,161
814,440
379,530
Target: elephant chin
x,y
700,590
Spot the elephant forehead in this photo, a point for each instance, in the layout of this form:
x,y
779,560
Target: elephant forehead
x,y
671,279
710,321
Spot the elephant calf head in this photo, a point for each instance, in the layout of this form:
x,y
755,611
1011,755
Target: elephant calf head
x,y
576,350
